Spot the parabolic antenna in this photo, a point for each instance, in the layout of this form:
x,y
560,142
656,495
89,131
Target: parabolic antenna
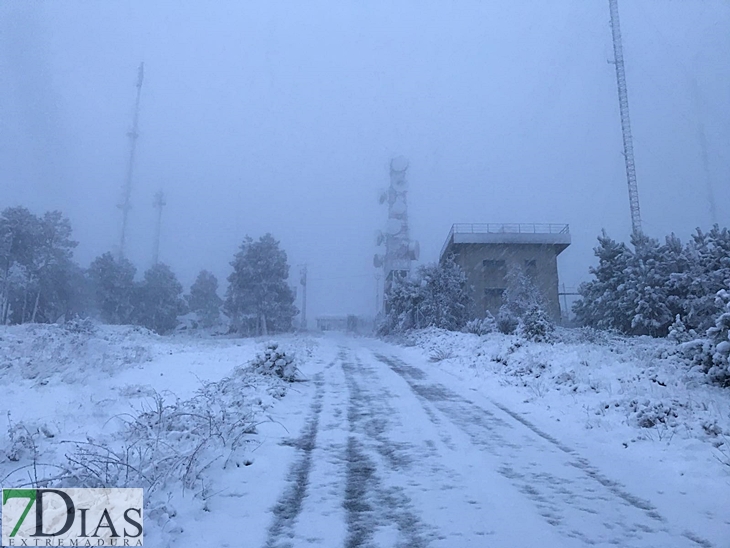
x,y
394,226
398,207
414,250
399,164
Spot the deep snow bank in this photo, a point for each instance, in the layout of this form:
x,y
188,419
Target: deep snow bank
x,y
598,379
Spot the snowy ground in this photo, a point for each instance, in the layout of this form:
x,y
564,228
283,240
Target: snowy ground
x,y
453,441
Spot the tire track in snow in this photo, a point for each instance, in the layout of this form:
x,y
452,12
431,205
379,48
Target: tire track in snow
x,y
370,505
553,489
290,504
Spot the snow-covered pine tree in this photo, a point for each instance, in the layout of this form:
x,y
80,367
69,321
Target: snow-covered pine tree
x,y
257,287
437,296
403,298
19,230
112,283
521,297
446,301
645,294
713,354
52,266
203,299
603,302
158,300
36,266
536,325
707,271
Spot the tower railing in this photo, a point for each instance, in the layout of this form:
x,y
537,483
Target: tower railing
x,y
504,228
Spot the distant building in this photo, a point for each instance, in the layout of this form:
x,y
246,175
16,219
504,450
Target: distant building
x,y
349,323
487,252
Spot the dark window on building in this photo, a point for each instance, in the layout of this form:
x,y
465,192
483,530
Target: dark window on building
x,y
494,272
493,297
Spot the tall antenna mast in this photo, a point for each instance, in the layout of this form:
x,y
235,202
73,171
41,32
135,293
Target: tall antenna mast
x,y
400,250
623,101
125,206
158,204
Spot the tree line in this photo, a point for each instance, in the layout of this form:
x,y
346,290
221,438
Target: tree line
x,y
438,295
665,289
40,282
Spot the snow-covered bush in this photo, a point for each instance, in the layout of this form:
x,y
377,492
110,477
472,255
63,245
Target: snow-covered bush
x,y
679,333
482,326
274,361
712,355
171,441
507,322
81,326
536,325
648,414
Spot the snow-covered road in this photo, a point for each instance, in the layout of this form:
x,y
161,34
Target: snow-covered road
x,y
389,457
381,447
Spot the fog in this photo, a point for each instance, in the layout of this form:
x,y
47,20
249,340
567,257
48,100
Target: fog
x,y
282,117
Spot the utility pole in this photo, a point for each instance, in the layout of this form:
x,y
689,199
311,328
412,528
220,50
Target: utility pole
x,y
126,205
623,101
702,138
158,204
303,282
378,300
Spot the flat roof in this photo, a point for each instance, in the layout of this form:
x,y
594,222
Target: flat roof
x,y
557,235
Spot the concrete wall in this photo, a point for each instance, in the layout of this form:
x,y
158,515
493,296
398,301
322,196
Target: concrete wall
x,y
488,279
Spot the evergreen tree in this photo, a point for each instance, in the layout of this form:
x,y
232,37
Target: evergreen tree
x,y
257,287
403,298
51,267
641,292
445,299
204,299
706,270
713,354
158,300
36,266
536,325
437,296
603,304
112,284
520,295
19,233
645,295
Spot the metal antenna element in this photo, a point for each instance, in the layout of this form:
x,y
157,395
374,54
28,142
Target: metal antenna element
x,y
623,101
126,205
158,204
303,282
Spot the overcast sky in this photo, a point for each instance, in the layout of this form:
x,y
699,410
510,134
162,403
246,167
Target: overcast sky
x,y
282,117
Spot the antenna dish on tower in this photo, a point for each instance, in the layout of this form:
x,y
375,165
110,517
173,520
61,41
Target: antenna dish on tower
x,y
399,164
394,226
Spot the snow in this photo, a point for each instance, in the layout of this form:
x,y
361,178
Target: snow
x,y
629,405
447,439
